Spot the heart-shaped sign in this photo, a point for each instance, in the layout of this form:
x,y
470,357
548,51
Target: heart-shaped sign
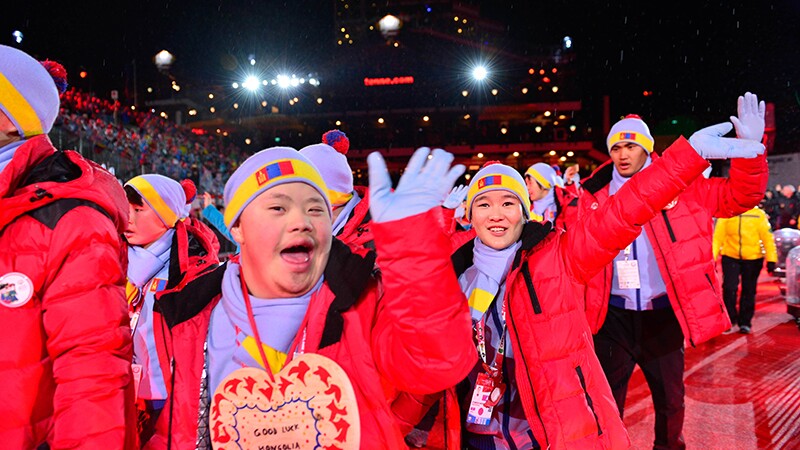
x,y
309,405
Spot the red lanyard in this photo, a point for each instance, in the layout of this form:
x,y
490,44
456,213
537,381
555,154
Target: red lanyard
x,y
259,343
497,364
253,326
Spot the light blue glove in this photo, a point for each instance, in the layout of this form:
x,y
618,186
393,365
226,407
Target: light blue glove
x,y
423,185
456,197
750,123
710,144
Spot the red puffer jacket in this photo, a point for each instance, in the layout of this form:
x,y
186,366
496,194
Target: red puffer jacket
x,y
681,235
564,393
65,374
386,331
357,231
195,250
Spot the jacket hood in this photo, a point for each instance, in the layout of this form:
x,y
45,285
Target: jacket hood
x,y
39,175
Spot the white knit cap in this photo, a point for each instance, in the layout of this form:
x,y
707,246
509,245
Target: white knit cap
x,y
330,158
631,129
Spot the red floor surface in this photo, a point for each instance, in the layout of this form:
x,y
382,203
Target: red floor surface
x,y
742,391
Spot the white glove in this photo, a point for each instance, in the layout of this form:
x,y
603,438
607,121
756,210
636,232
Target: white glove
x,y
710,144
423,185
456,196
750,123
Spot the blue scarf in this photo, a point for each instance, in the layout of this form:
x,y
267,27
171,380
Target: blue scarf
x,y
546,207
617,180
7,152
341,219
278,321
144,263
481,282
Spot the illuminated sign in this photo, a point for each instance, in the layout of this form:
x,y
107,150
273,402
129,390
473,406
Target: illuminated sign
x,y
386,81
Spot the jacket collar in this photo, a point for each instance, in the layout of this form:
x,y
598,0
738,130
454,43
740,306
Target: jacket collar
x,y
347,275
601,177
532,233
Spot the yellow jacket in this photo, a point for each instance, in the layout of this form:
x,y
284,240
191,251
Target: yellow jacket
x,y
747,236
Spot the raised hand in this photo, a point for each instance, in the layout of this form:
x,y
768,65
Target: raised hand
x,y
423,185
750,123
456,197
710,144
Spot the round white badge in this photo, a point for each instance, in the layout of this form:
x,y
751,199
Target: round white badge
x,y
16,289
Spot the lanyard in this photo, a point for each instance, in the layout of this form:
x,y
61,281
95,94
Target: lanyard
x,y
497,364
137,304
627,251
253,326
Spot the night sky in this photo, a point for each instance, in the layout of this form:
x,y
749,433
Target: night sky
x,y
696,57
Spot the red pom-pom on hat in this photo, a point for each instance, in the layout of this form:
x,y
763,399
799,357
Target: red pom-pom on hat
x,y
490,163
59,74
189,189
338,140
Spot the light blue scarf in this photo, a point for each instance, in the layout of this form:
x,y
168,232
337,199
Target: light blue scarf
x,y
278,321
545,205
7,152
341,219
144,263
481,282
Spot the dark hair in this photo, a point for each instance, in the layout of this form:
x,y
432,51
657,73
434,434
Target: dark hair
x,y
133,196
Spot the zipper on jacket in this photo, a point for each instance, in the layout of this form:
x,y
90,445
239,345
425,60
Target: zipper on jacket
x,y
710,283
579,371
528,378
740,237
537,307
669,226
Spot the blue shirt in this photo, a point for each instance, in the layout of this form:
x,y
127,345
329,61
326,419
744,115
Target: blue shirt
x,y
651,283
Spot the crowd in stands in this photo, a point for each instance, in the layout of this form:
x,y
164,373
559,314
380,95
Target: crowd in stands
x,y
782,205
150,143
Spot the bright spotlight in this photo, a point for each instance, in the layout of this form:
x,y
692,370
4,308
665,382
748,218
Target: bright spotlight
x,y
284,81
17,36
164,60
479,73
251,83
567,42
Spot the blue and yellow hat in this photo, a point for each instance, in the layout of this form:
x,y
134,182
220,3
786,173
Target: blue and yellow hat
x,y
631,129
264,170
28,94
496,177
545,175
166,196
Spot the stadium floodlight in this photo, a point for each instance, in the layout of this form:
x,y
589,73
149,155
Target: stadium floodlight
x,y
389,25
164,60
284,81
251,83
480,73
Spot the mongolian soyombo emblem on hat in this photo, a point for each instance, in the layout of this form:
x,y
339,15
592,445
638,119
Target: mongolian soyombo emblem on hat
x,y
310,404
